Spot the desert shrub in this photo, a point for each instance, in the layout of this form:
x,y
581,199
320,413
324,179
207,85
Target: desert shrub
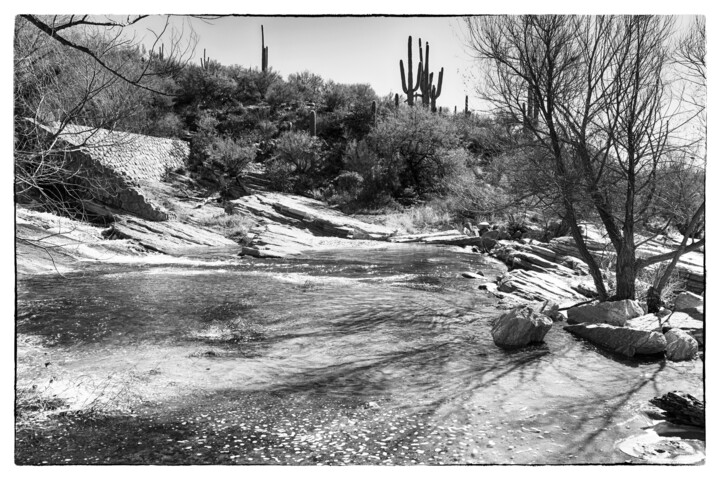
x,y
280,92
380,177
349,182
308,85
230,156
168,125
251,84
300,150
296,163
469,196
220,155
417,141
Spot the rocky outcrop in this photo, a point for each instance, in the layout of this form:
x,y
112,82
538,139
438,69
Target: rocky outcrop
x,y
308,214
680,345
519,327
537,286
611,313
291,224
690,266
622,340
277,241
170,237
688,301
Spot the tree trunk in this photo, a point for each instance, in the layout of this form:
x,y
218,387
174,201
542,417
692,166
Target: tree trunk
x,y
625,271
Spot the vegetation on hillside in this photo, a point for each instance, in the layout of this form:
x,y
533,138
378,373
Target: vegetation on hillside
x,y
587,126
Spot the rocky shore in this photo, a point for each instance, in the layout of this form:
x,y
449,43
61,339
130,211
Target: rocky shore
x,y
284,225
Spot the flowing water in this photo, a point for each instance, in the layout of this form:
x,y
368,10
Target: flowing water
x,y
363,356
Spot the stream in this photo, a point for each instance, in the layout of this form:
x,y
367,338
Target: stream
x,y
364,356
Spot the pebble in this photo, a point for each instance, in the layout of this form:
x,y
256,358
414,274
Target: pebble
x,y
490,444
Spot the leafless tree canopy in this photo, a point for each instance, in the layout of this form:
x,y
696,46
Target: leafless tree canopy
x,y
593,96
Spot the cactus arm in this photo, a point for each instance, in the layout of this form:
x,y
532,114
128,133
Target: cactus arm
x,y
402,77
439,84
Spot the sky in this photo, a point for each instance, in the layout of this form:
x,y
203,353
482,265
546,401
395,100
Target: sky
x,y
344,49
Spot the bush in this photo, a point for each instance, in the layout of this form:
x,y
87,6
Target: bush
x,y
379,177
296,163
417,141
229,156
220,155
280,93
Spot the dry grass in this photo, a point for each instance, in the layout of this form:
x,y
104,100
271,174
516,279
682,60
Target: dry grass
x,y
230,225
419,219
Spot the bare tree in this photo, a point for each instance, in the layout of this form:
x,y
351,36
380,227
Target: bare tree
x,y
591,92
690,56
79,70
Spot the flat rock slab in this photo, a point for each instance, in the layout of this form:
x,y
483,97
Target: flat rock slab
x,y
623,340
311,214
168,237
537,286
611,313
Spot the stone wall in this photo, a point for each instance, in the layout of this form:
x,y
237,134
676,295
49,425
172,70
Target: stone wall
x,y
117,165
139,158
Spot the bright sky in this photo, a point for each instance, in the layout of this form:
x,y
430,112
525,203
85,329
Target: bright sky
x,y
344,49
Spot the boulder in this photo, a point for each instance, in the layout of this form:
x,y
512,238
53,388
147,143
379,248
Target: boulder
x,y
680,345
519,327
688,301
611,313
552,310
623,340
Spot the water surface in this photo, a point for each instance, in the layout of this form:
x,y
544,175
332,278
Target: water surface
x,y
365,356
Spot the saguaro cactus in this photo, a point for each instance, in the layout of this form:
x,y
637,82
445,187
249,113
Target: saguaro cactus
x,y
264,61
467,112
407,86
373,111
429,93
205,61
313,123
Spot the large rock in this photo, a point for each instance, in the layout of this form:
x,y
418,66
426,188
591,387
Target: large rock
x,y
688,301
623,340
611,313
680,345
519,327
